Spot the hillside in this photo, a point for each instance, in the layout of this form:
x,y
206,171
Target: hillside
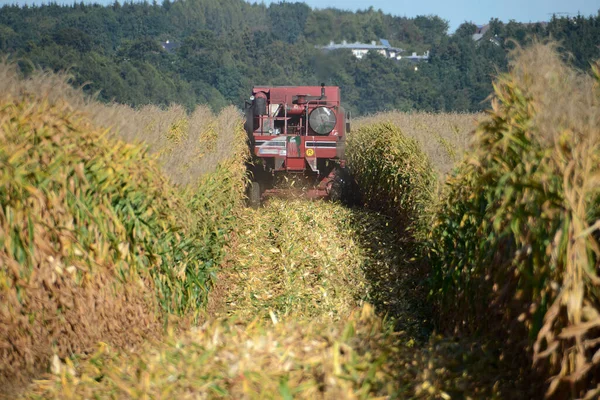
x,y
219,49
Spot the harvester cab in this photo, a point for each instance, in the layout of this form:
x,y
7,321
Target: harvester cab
x,y
296,131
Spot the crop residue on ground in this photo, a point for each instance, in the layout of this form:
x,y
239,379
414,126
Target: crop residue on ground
x,y
292,320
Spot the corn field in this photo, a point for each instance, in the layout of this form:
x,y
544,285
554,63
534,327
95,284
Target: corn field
x,y
444,138
514,245
291,317
97,243
130,267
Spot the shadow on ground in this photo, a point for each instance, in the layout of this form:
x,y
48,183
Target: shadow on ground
x,y
435,366
396,274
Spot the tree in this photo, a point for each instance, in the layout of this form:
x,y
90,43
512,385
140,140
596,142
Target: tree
x,y
227,46
288,20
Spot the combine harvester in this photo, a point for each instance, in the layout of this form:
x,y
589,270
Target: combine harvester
x,y
297,137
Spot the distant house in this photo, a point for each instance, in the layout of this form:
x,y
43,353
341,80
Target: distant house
x,y
480,31
169,46
361,49
417,58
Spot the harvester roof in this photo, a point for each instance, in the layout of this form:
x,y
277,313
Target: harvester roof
x,y
282,94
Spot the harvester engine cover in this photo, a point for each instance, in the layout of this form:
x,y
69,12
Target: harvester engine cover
x,y
296,131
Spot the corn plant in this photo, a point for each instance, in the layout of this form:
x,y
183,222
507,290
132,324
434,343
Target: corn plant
x,y
513,249
393,173
95,242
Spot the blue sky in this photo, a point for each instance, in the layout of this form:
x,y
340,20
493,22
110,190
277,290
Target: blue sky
x,y
455,11
477,11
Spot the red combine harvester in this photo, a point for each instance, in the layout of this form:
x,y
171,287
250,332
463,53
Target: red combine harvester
x,y
296,131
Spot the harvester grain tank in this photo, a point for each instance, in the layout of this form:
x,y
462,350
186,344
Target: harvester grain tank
x,y
296,131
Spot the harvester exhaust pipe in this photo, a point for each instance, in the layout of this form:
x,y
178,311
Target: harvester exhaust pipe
x,y
323,91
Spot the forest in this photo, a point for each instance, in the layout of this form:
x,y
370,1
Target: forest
x,y
219,49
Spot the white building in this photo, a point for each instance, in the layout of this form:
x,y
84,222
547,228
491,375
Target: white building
x,y
361,49
417,58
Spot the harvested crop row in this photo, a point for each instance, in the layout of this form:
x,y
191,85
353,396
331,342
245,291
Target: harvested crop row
x,y
292,323
515,248
96,244
242,359
295,259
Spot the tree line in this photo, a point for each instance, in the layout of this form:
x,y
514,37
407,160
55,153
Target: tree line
x,y
224,47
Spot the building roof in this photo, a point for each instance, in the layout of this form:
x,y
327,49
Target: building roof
x,y
415,57
385,45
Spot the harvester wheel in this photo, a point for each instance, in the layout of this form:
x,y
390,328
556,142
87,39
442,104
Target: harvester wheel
x,y
254,195
337,186
341,188
334,190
